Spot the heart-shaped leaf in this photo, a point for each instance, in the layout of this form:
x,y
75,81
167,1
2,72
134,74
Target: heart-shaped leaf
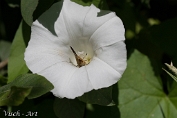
x,y
141,92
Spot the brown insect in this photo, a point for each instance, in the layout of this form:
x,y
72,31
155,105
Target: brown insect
x,y
79,60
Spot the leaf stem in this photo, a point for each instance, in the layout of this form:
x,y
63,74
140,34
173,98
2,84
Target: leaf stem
x,y
9,108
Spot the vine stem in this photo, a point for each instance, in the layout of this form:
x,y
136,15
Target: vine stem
x,y
9,108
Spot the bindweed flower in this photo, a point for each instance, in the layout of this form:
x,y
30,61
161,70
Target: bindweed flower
x,y
88,51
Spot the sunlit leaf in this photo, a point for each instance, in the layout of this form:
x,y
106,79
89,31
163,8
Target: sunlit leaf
x,y
141,93
16,63
27,9
69,108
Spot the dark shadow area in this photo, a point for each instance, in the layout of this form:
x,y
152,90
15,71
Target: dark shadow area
x,y
10,19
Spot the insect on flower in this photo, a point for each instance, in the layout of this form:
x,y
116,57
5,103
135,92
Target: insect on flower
x,y
79,60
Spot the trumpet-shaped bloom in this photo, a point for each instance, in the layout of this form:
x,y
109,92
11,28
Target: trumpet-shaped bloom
x,y
88,51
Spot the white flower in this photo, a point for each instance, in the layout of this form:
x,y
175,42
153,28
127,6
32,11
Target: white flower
x,y
97,40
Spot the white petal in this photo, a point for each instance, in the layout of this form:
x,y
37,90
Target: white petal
x,y
41,35
109,33
44,49
59,75
92,21
82,28
101,74
71,19
78,84
114,55
79,21
68,80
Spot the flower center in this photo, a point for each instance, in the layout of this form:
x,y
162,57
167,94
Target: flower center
x,y
81,57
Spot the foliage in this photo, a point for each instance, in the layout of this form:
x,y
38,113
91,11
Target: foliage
x,y
144,91
28,85
140,87
16,65
27,9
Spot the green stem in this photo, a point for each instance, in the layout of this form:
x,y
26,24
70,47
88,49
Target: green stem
x,y
9,108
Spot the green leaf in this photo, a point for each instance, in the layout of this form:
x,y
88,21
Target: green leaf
x,y
38,83
141,93
87,2
3,80
27,9
4,49
16,63
48,18
98,3
42,6
30,85
69,108
14,96
103,12
101,97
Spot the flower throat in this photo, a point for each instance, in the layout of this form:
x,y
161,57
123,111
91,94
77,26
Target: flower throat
x,y
80,61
